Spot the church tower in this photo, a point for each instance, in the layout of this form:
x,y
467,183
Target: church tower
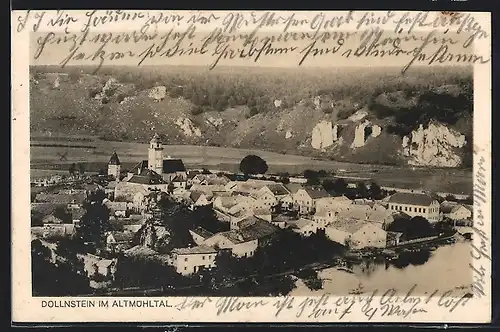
x,y
155,155
114,166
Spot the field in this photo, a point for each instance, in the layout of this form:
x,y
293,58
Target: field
x,y
55,154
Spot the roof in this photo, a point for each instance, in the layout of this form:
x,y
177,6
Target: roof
x,y
278,189
51,219
137,169
122,236
411,199
300,223
350,226
194,250
114,160
257,230
195,195
61,198
173,165
248,221
147,176
202,232
155,138
293,187
178,178
316,193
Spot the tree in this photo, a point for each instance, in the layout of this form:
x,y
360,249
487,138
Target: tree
x,y
72,169
95,222
375,192
253,164
328,185
340,186
60,212
413,228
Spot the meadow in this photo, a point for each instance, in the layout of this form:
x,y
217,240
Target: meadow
x,y
54,156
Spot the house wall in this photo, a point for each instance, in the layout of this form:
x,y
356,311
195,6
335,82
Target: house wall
x,y
430,212
199,240
189,264
114,170
245,249
303,201
460,214
336,235
369,236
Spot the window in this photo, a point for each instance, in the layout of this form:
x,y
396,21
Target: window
x,y
406,209
185,268
424,210
185,259
409,209
203,257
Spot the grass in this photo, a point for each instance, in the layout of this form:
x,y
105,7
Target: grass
x,y
48,157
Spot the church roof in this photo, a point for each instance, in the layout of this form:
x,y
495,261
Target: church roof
x,y
156,138
114,160
173,165
147,176
141,166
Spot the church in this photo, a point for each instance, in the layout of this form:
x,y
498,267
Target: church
x,y
153,173
154,170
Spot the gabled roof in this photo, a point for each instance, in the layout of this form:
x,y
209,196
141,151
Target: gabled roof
x,y
202,232
278,189
299,224
411,199
316,193
257,230
194,250
123,236
173,166
350,226
195,195
147,176
114,160
137,169
293,187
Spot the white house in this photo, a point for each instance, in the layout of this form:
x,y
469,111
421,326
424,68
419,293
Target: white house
x,y
414,205
235,241
198,199
456,211
356,234
199,235
304,227
305,199
333,203
191,260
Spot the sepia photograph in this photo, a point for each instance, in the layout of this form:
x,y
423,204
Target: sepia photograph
x,y
326,176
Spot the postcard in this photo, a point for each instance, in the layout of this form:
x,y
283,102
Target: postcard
x,y
251,166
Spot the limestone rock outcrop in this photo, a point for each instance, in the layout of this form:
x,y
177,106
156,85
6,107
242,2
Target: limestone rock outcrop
x,y
433,146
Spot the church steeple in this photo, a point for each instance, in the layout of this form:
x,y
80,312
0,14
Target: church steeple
x,y
114,166
155,155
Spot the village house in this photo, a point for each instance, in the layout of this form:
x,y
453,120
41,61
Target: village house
x,y
234,241
304,227
414,205
117,241
356,234
305,199
118,209
244,241
333,204
198,198
270,196
376,214
244,204
100,271
455,211
192,260
179,182
53,231
199,235
224,203
132,224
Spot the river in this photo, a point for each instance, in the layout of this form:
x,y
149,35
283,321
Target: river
x,y
446,268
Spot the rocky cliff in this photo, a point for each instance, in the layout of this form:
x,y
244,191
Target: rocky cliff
x,y
397,127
